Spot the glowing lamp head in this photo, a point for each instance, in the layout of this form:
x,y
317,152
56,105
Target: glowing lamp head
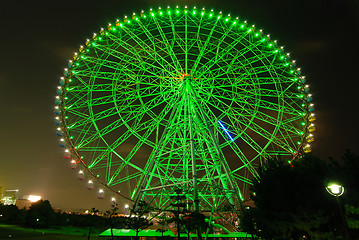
x,y
335,189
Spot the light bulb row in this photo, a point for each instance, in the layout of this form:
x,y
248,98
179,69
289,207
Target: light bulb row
x,y
151,13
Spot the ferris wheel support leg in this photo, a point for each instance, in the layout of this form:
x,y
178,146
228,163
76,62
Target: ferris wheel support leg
x,y
193,159
194,172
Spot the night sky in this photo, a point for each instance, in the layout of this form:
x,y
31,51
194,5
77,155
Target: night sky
x,y
39,37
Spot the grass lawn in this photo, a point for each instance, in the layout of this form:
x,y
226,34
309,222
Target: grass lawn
x,y
63,233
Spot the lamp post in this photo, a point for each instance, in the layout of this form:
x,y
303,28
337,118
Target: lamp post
x,y
127,209
337,190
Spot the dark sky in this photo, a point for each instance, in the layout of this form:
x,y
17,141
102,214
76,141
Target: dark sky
x,y
38,37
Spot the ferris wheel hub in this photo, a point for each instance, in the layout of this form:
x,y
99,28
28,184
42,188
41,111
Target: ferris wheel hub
x,y
187,77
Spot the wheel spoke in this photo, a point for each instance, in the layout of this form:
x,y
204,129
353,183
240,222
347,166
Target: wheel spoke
x,y
181,99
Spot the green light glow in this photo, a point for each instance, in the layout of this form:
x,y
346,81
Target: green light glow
x,y
144,105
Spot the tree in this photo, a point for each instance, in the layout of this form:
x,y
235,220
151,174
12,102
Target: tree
x,y
137,221
349,178
41,214
247,220
291,201
12,215
114,220
93,212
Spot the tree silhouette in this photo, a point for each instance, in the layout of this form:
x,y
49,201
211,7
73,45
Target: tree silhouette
x,y
291,201
93,212
41,214
137,221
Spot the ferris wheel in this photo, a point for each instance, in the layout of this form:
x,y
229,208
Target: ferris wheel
x,y
181,98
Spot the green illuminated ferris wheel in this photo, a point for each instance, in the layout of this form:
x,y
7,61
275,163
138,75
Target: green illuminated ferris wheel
x,y
181,98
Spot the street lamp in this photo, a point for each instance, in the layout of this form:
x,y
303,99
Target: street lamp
x,y
337,190
127,207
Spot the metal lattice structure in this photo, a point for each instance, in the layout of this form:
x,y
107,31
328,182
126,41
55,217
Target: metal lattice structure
x,y
181,98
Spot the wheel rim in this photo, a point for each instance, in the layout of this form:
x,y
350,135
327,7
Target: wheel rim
x,y
116,97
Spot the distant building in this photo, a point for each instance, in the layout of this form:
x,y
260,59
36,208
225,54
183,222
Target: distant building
x,y
9,197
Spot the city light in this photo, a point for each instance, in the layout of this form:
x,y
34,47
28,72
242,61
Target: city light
x,y
34,198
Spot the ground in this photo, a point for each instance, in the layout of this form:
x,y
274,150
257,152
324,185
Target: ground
x,y
64,233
